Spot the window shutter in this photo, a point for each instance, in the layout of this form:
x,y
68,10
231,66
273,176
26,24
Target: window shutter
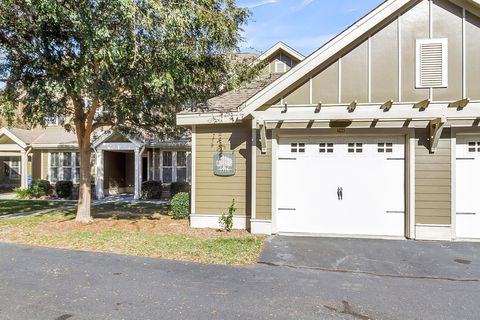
x,y
432,63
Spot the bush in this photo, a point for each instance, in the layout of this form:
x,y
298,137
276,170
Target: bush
x,y
226,221
177,187
39,188
64,189
181,205
21,193
152,190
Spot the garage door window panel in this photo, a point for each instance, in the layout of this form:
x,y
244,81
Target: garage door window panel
x,y
326,147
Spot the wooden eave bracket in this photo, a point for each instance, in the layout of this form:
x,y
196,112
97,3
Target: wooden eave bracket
x,y
435,128
263,137
318,107
422,105
352,106
387,106
460,104
285,110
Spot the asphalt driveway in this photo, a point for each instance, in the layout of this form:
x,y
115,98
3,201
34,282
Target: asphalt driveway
x,y
392,258
297,278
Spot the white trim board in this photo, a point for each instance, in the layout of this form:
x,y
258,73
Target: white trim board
x,y
258,226
433,232
211,221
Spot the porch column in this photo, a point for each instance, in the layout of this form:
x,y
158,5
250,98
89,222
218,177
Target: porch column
x,y
138,172
99,175
23,169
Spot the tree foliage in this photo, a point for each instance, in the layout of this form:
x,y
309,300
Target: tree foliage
x,y
131,64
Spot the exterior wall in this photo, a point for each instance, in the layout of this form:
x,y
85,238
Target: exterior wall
x,y
214,194
433,180
369,70
263,190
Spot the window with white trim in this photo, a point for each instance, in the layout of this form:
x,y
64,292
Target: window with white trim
x,y
64,166
326,147
355,147
474,147
12,169
297,147
432,63
385,147
181,166
167,166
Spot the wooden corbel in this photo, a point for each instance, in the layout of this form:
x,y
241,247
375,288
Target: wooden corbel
x,y
435,128
263,137
318,107
422,105
286,108
352,106
387,106
460,104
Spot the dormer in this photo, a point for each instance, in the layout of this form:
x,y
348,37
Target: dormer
x,y
280,58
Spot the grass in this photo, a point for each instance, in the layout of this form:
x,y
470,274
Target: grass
x,y
18,206
130,228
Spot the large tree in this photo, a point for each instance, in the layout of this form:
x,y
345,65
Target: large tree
x,y
130,64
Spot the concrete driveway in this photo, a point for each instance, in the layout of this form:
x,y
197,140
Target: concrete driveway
x,y
388,258
297,278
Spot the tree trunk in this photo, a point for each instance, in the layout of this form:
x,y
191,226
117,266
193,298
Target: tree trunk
x,y
84,214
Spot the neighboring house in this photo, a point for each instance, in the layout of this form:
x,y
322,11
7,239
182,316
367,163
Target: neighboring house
x,y
121,163
374,134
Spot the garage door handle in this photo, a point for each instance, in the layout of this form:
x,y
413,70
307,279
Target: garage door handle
x,y
287,209
465,158
340,193
467,213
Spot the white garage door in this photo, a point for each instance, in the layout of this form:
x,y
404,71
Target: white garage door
x,y
468,187
341,185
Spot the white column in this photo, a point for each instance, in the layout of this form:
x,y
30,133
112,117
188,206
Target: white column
x,y
138,172
99,175
23,169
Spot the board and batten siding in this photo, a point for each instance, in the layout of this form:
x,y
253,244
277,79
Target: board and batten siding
x,y
381,65
263,190
214,194
433,189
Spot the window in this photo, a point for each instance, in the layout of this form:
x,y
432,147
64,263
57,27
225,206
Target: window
x,y
64,166
385,147
325,147
297,147
432,63
355,147
181,166
474,146
12,169
167,166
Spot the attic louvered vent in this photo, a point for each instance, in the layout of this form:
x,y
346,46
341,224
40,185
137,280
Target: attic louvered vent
x,y
432,63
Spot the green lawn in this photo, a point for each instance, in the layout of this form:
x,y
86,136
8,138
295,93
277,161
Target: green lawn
x,y
19,206
135,229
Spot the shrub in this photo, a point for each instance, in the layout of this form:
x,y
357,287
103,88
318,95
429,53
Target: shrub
x,y
181,205
39,188
64,189
152,190
226,221
177,187
21,193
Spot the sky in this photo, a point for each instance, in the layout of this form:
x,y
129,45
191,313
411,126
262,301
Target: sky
x,y
305,25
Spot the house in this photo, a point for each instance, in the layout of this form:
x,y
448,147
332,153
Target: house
x,y
121,163
374,134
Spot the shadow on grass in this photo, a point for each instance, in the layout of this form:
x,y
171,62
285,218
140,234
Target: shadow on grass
x,y
130,210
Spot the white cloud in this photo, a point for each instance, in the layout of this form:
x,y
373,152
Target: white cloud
x,y
261,3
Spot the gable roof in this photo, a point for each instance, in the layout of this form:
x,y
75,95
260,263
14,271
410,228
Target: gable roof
x,y
50,137
324,54
330,49
278,47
